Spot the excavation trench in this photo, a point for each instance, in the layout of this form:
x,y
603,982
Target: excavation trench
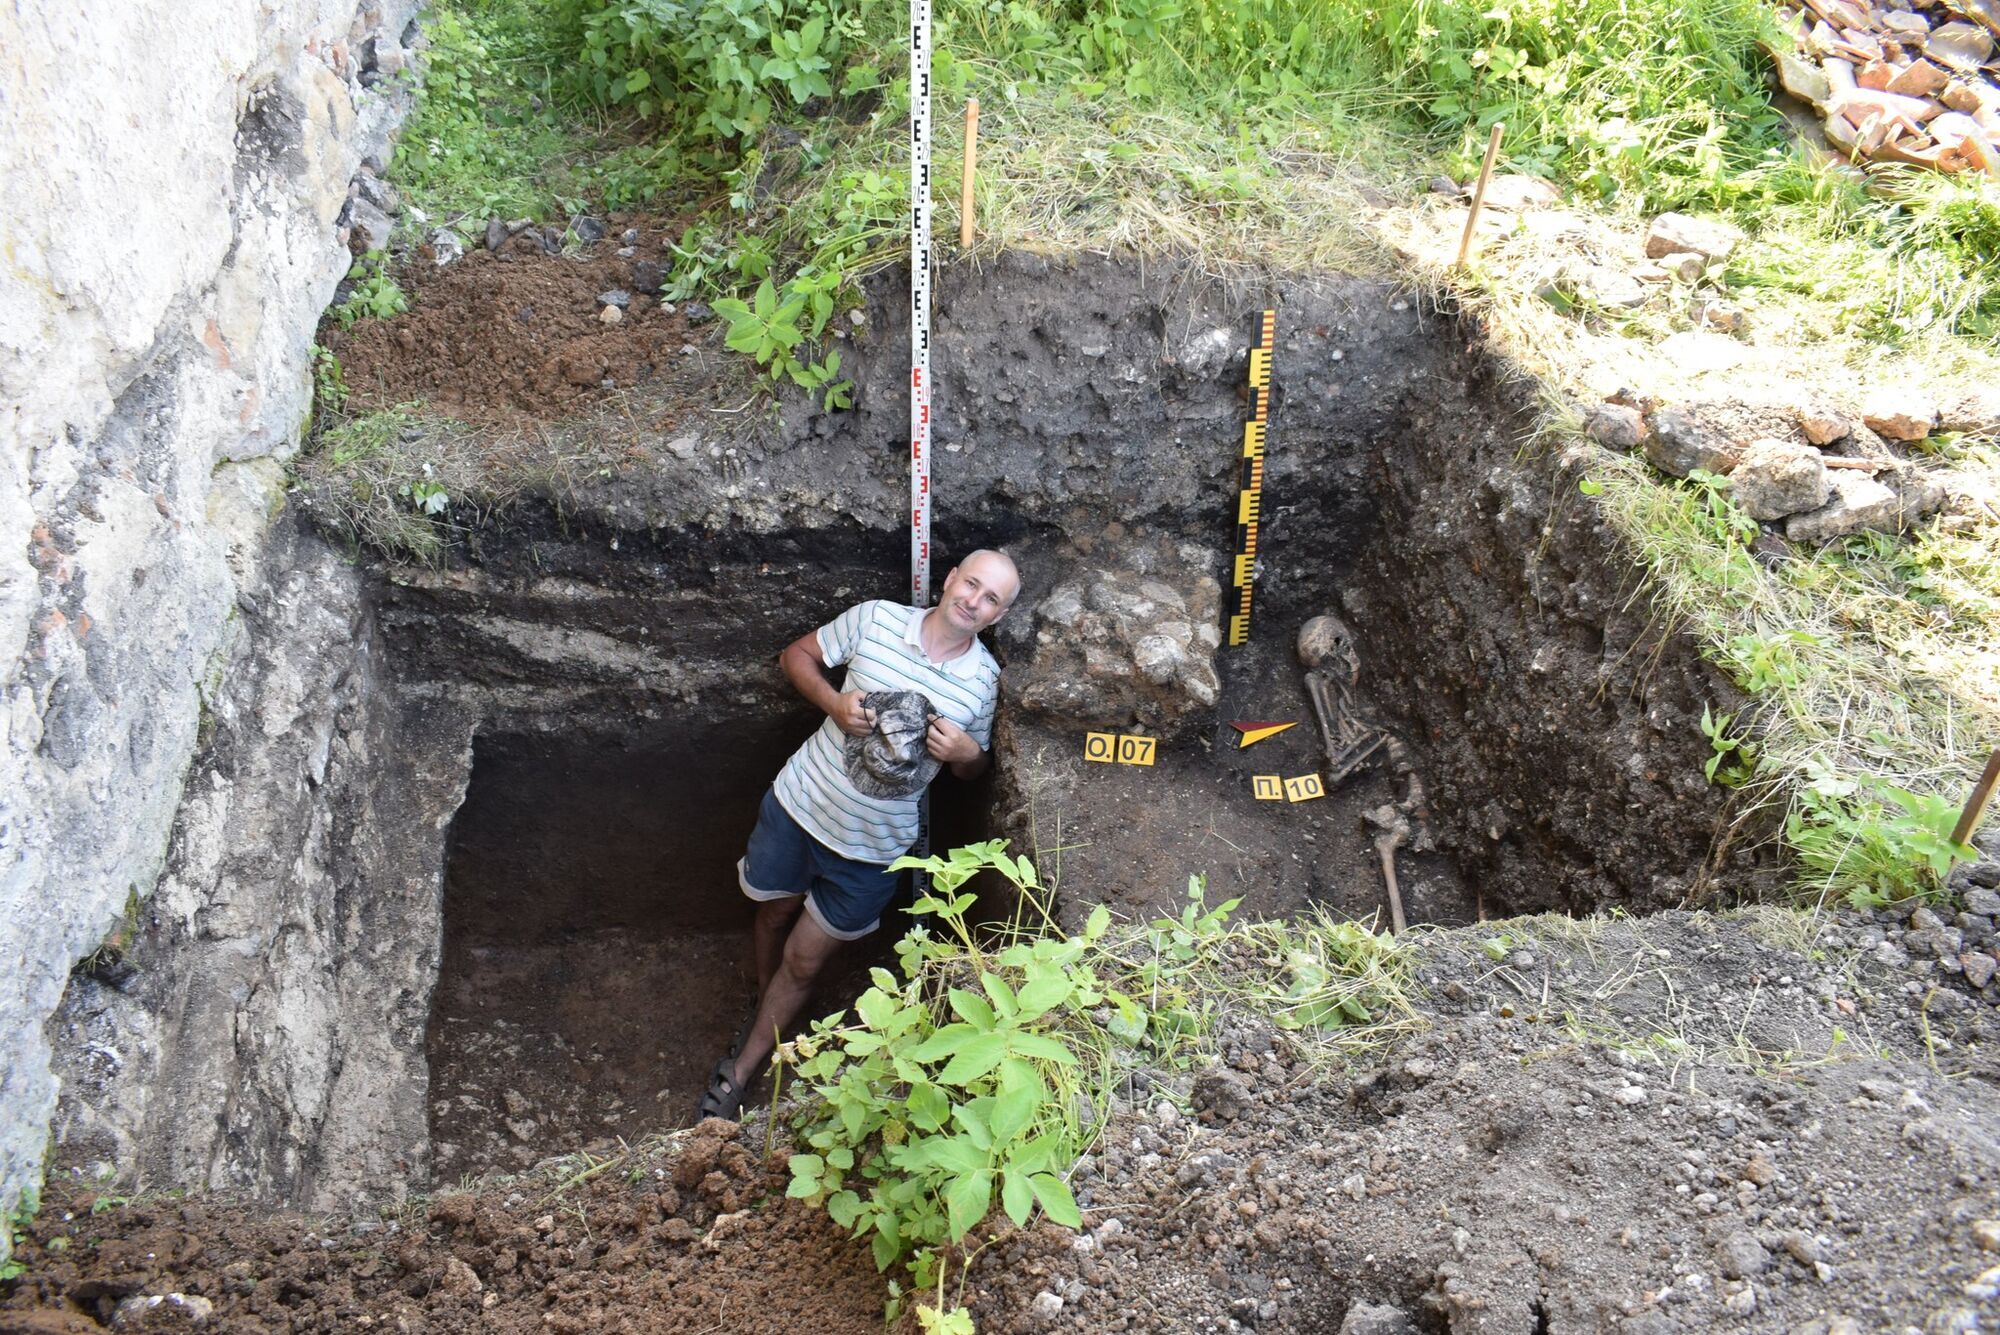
x,y
599,683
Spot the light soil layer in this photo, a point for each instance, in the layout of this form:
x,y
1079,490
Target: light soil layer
x,y
1680,1123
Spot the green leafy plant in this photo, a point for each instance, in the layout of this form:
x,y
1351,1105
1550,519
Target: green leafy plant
x,y
936,1321
725,66
329,380
773,323
1872,840
1762,662
428,496
765,327
17,1227
375,295
1732,760
936,1101
1723,520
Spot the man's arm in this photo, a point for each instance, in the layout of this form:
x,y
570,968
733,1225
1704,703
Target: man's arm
x,y
805,668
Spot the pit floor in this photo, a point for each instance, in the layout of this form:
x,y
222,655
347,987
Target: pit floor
x,y
1130,836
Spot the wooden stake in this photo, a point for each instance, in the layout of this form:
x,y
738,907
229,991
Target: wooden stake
x,y
1968,819
1479,191
965,180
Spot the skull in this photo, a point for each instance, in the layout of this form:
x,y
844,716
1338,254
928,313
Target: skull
x,y
1327,645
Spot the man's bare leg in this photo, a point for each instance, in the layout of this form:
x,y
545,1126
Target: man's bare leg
x,y
807,949
768,931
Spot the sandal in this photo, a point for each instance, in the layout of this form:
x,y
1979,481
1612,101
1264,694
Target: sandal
x,y
743,1036
724,1097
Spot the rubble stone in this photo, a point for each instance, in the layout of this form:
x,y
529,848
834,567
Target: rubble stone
x,y
1917,494
1514,192
1976,412
1920,79
1900,414
1858,502
1685,265
1822,428
1675,233
1595,284
1801,78
1615,425
1719,315
1679,445
1133,644
1779,478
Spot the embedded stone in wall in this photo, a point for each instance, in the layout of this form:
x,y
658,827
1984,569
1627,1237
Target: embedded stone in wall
x,y
1131,644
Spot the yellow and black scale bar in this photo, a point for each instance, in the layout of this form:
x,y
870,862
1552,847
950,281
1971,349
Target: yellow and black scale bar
x,y
1250,497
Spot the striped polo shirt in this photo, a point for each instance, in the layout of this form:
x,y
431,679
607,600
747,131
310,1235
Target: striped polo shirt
x,y
881,643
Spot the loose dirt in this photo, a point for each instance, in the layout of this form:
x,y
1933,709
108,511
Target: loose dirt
x,y
501,337
1680,1123
693,1236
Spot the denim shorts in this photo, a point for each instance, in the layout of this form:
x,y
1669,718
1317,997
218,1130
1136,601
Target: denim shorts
x,y
845,897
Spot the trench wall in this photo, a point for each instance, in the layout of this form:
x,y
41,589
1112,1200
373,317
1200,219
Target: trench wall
x,y
269,1035
178,179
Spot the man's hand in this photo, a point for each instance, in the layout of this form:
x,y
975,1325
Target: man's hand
x,y
855,719
948,742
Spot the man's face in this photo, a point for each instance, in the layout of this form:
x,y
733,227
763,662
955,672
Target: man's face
x,y
978,593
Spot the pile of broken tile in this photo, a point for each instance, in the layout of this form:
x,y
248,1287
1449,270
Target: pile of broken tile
x,y
1900,80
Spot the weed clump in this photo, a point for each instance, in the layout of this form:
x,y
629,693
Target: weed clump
x,y
987,1068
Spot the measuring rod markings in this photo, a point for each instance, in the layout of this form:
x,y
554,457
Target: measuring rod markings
x,y
920,356
920,302
1250,497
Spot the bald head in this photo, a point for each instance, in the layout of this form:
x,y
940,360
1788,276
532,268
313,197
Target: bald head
x,y
978,590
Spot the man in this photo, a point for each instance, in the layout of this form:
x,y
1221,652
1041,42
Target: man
x,y
845,805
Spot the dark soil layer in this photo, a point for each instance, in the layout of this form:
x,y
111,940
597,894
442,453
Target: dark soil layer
x,y
1078,397
1553,706
1131,836
700,1241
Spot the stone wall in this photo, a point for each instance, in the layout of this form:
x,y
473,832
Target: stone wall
x,y
173,227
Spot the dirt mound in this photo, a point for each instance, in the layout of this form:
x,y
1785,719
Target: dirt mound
x,y
1651,1126
1679,1123
517,334
703,1240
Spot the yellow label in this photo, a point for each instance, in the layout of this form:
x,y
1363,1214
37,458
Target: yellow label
x,y
1267,787
1246,565
1260,367
1246,509
1135,750
1100,746
1253,440
1239,630
1304,788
